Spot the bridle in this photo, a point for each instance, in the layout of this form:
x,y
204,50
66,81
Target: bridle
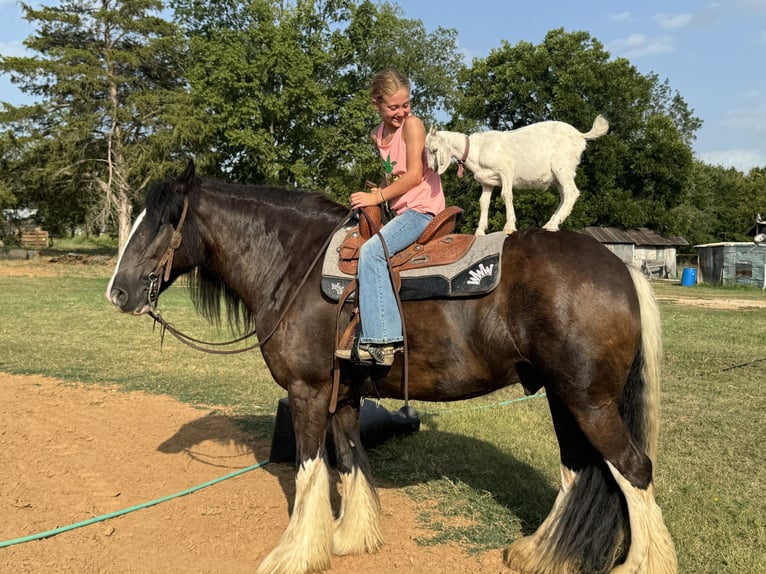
x,y
162,273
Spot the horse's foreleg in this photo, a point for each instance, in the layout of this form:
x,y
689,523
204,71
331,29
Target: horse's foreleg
x,y
306,545
357,529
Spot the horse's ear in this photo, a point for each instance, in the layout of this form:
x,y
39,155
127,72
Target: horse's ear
x,y
187,177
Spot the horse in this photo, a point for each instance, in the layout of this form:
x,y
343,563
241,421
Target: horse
x,y
567,316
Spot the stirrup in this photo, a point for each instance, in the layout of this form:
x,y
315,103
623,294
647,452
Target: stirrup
x,y
370,354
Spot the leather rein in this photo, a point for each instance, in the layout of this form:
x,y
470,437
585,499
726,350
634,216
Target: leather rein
x,y
162,272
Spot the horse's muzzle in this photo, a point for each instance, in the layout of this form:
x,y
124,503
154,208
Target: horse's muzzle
x,y
120,299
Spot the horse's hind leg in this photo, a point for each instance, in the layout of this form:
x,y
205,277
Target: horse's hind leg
x,y
306,545
357,529
651,547
582,531
535,554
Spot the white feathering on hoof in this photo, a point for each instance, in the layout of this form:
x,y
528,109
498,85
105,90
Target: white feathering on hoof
x,y
306,544
357,530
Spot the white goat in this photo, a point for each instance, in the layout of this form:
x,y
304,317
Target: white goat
x,y
532,157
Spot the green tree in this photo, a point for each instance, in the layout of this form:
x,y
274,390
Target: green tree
x,y
721,204
108,89
284,86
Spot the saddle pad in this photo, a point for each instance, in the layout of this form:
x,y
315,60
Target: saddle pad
x,y
476,273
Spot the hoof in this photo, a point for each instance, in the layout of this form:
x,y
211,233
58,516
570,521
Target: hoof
x,y
283,560
526,556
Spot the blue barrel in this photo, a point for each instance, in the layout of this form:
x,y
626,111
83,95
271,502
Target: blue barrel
x,y
689,277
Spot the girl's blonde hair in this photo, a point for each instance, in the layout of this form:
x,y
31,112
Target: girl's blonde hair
x,y
388,82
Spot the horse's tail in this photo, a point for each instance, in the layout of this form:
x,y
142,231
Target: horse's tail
x,y
640,402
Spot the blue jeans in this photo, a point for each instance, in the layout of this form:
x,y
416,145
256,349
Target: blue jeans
x,y
378,311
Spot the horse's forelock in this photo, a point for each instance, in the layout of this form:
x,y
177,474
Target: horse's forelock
x,y
164,203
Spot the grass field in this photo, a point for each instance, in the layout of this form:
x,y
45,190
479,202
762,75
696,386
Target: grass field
x,y
486,470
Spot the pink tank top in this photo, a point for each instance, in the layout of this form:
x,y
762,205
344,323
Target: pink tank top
x,y
427,196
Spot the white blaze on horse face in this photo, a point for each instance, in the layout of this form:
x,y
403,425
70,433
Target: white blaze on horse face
x,y
138,221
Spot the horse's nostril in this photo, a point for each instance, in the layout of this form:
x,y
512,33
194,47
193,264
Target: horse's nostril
x,y
117,296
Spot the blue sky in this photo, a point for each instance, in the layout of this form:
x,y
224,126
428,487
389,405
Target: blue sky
x,y
712,53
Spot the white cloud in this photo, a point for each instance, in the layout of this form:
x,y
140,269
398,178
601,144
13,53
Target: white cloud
x,y
741,159
746,118
673,20
621,17
637,45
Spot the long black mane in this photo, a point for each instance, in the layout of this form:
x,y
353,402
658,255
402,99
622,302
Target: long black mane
x,y
209,293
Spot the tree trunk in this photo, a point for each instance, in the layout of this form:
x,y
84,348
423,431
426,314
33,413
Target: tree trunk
x,y
124,218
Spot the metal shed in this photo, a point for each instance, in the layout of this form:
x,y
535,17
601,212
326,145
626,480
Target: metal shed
x,y
732,264
653,252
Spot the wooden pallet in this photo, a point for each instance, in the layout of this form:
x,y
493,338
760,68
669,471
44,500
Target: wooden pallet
x,y
36,239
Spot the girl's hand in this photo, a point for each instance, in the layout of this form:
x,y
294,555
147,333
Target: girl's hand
x,y
366,198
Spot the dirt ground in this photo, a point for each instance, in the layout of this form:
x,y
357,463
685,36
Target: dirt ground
x,y
71,453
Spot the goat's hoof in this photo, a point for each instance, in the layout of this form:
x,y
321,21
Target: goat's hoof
x,y
480,233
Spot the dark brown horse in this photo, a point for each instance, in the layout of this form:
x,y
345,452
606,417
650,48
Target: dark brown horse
x,y
568,316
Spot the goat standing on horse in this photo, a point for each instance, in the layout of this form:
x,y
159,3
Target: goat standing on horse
x,y
532,157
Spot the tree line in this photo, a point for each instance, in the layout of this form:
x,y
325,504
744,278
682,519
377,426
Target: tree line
x,y
277,92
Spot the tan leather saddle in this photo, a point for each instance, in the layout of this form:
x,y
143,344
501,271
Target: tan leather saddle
x,y
437,245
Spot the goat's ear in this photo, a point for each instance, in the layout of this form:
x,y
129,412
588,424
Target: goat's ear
x,y
432,131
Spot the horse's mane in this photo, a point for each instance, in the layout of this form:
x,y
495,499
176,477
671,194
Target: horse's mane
x,y
164,204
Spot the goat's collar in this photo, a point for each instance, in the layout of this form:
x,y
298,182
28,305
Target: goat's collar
x,y
461,161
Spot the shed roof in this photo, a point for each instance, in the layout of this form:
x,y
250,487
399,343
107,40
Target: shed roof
x,y
635,236
727,244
